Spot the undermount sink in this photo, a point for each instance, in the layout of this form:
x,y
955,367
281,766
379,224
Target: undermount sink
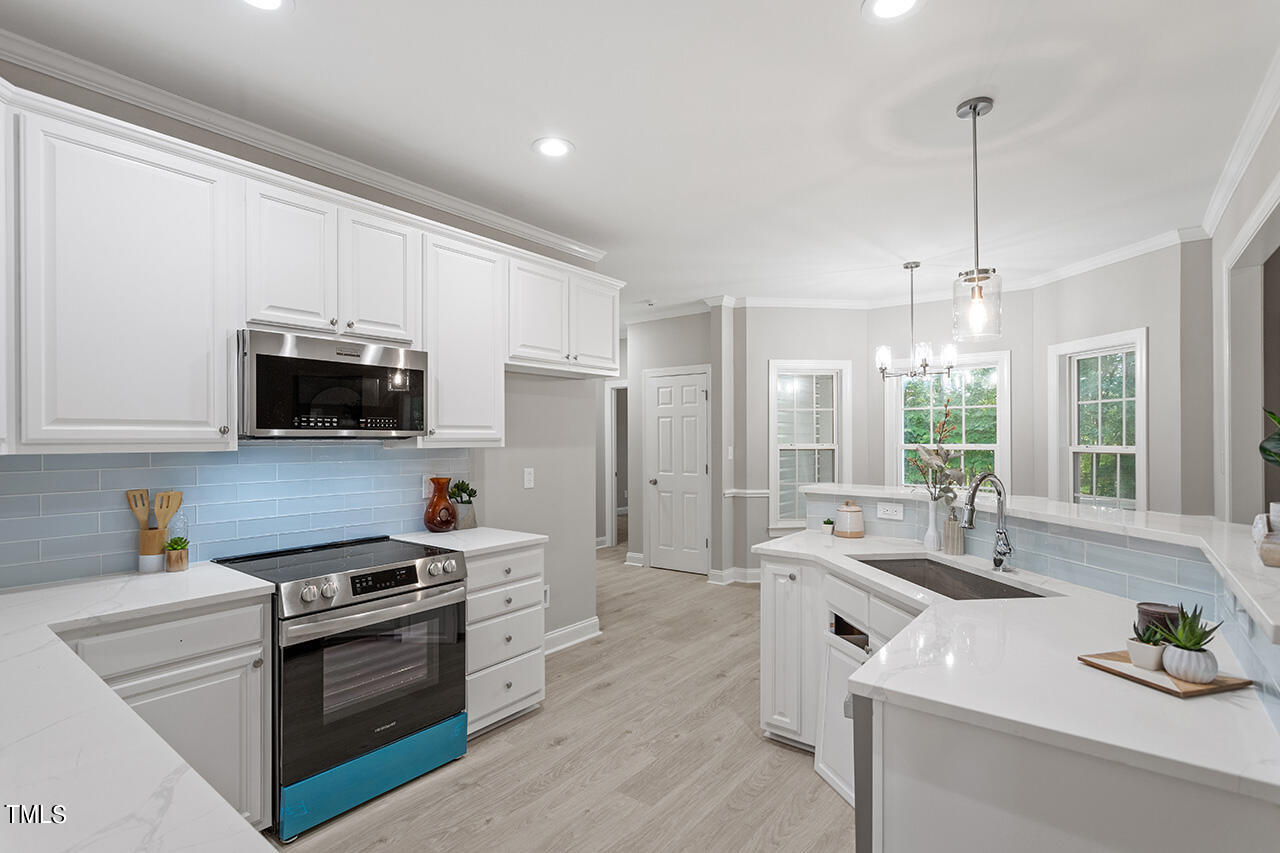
x,y
947,580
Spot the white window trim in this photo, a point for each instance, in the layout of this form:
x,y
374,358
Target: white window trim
x,y
999,359
1059,414
844,413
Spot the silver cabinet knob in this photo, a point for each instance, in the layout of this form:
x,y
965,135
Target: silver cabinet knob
x,y
508,599
257,664
575,358
431,431
566,356
508,638
653,481
508,685
791,576
223,430
333,321
351,324
507,570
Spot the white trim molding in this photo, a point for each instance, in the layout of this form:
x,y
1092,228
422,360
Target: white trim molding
x,y
746,493
1115,256
62,66
1059,411
635,558
843,370
737,574
1257,120
611,509
602,542
570,635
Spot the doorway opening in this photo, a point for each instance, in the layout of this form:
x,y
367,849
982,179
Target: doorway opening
x,y
616,455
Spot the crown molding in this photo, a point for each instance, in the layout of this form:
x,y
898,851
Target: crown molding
x,y
721,302
684,309
69,69
1115,256
1256,121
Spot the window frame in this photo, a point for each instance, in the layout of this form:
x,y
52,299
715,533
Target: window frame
x,y
1062,394
894,426
843,385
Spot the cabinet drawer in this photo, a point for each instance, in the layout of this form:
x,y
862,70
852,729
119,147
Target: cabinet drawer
x,y
503,638
849,600
503,599
887,620
139,648
491,570
503,687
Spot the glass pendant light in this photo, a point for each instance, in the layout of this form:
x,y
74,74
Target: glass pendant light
x,y
976,295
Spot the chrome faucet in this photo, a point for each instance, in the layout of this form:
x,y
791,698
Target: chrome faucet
x,y
1002,547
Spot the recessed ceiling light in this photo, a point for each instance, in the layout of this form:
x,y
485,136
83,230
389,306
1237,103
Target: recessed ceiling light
x,y
266,5
884,10
552,146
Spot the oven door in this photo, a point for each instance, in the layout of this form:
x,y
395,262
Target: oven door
x,y
366,676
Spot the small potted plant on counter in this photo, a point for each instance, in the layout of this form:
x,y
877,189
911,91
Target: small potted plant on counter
x,y
1185,656
175,554
462,495
828,525
1146,647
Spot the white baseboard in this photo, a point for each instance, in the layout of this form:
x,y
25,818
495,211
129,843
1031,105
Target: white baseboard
x,y
570,635
737,574
602,541
634,559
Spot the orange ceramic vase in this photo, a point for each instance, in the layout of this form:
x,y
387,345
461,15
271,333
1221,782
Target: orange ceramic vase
x,y
440,515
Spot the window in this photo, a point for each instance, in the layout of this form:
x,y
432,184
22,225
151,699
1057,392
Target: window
x,y
977,396
1097,420
1104,452
810,432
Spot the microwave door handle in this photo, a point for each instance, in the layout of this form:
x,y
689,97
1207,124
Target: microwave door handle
x,y
299,633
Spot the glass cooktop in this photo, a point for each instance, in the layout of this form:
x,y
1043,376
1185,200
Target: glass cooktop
x,y
354,555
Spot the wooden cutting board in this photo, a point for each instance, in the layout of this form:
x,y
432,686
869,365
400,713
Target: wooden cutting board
x,y
1118,663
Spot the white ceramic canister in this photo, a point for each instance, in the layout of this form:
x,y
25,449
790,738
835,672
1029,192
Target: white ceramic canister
x,y
849,521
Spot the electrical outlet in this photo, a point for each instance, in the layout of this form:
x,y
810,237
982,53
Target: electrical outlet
x,y
426,486
890,511
546,595
528,478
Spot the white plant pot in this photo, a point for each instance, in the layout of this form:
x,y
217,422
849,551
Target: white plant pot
x,y
933,538
1196,667
828,529
1145,655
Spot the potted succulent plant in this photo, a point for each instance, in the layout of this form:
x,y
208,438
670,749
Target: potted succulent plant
x,y
828,525
462,495
1185,656
1146,647
175,554
940,479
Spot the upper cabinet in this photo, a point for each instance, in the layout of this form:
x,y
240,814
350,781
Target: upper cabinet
x,y
563,321
123,285
466,344
337,270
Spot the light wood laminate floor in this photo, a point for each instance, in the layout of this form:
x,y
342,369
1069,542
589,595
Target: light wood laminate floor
x,y
649,740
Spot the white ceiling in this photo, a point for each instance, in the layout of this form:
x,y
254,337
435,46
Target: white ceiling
x,y
740,147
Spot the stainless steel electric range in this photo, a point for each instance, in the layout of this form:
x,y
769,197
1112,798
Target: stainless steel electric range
x,y
370,654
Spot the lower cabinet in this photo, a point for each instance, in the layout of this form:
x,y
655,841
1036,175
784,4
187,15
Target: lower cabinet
x,y
833,753
787,687
202,680
505,630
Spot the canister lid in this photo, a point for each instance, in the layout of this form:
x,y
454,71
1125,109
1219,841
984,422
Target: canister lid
x,y
849,506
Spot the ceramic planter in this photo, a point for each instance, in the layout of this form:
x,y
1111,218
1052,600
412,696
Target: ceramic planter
x,y
1196,667
466,516
828,528
1145,655
175,561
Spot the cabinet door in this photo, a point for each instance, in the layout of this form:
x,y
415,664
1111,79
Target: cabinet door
x,y
213,715
833,753
782,649
125,291
380,285
539,313
292,245
466,302
593,324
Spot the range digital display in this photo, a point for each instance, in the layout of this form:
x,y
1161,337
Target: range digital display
x,y
383,580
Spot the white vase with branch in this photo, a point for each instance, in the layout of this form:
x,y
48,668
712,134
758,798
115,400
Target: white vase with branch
x,y
934,465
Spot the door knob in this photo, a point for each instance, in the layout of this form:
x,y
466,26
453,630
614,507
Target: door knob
x,y
653,481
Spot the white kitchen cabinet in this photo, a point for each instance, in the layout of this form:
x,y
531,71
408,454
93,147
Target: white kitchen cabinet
x,y
593,323
783,643
539,314
465,326
292,265
210,712
380,277
8,162
833,752
125,327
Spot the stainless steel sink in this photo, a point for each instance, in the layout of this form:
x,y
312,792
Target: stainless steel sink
x,y
948,580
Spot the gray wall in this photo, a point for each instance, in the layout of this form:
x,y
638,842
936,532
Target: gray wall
x,y
659,343
550,429
620,442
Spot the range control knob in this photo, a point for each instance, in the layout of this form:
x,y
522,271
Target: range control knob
x,y
450,565
434,569
309,592
329,590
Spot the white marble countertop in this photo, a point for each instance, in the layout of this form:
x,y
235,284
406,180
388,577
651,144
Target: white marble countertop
x,y
476,541
1228,547
1010,665
66,738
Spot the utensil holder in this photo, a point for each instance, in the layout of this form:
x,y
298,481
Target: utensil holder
x,y
151,549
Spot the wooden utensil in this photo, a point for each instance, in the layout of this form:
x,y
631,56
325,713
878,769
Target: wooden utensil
x,y
140,503
167,504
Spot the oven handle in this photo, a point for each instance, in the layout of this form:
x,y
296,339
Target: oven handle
x,y
292,634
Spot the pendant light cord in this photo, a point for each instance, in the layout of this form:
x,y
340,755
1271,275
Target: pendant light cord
x,y
973,115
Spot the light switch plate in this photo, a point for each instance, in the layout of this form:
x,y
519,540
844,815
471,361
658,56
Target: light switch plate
x,y
890,511
528,478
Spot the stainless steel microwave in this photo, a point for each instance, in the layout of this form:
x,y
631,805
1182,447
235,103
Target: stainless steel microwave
x,y
292,386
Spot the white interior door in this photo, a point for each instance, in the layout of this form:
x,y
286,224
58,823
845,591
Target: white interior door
x,y
678,491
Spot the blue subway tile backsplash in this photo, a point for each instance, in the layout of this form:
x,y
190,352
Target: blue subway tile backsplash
x,y
64,516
